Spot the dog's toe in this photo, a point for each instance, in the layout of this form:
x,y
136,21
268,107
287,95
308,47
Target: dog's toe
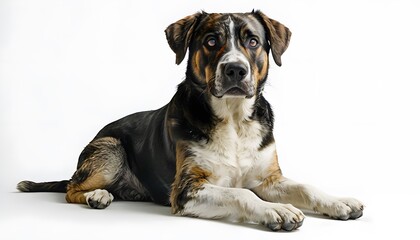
x,y
356,214
288,226
274,226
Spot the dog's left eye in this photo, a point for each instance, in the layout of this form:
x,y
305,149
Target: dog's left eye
x,y
253,43
211,42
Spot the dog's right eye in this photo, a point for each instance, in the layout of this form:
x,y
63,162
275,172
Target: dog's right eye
x,y
211,41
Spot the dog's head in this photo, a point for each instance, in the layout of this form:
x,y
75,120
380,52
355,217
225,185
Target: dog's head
x,y
228,53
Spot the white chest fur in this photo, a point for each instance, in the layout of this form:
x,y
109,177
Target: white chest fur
x,y
233,154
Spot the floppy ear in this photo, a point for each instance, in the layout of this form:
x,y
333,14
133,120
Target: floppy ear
x,y
278,35
179,34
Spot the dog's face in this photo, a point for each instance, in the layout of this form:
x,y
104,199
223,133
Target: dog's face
x,y
228,53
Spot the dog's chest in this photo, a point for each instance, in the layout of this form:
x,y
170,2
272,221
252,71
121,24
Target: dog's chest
x,y
233,154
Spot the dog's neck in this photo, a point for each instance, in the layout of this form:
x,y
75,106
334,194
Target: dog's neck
x,y
235,109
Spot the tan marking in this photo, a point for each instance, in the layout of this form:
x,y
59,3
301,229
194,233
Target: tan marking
x,y
189,178
244,51
209,74
99,170
196,65
75,191
206,51
176,186
73,196
220,52
258,51
273,173
259,75
199,175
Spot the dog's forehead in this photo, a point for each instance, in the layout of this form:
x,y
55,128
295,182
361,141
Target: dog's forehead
x,y
220,22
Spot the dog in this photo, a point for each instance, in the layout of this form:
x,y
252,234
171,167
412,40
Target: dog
x,y
210,152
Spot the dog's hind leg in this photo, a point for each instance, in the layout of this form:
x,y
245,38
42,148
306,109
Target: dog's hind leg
x,y
100,167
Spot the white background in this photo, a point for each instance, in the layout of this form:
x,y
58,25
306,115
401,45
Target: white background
x,y
346,100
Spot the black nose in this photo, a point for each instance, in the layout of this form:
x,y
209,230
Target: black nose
x,y
235,71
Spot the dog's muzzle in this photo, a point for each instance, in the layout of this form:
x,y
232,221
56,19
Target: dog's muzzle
x,y
233,80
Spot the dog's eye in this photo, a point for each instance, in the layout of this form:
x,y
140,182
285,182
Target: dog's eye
x,y
253,43
211,41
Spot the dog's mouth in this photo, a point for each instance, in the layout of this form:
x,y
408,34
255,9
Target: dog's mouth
x,y
234,91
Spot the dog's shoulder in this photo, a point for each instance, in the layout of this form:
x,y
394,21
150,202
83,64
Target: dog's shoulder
x,y
189,115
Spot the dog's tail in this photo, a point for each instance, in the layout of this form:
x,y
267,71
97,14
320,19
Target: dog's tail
x,y
28,186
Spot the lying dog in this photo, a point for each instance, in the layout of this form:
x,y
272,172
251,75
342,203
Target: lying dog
x,y
210,152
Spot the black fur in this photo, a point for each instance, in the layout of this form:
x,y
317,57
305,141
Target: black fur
x,y
29,186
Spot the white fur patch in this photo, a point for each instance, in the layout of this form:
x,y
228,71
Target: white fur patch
x,y
240,204
308,197
233,153
99,198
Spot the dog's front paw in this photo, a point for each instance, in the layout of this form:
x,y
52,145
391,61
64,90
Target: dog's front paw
x,y
344,209
99,198
278,216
